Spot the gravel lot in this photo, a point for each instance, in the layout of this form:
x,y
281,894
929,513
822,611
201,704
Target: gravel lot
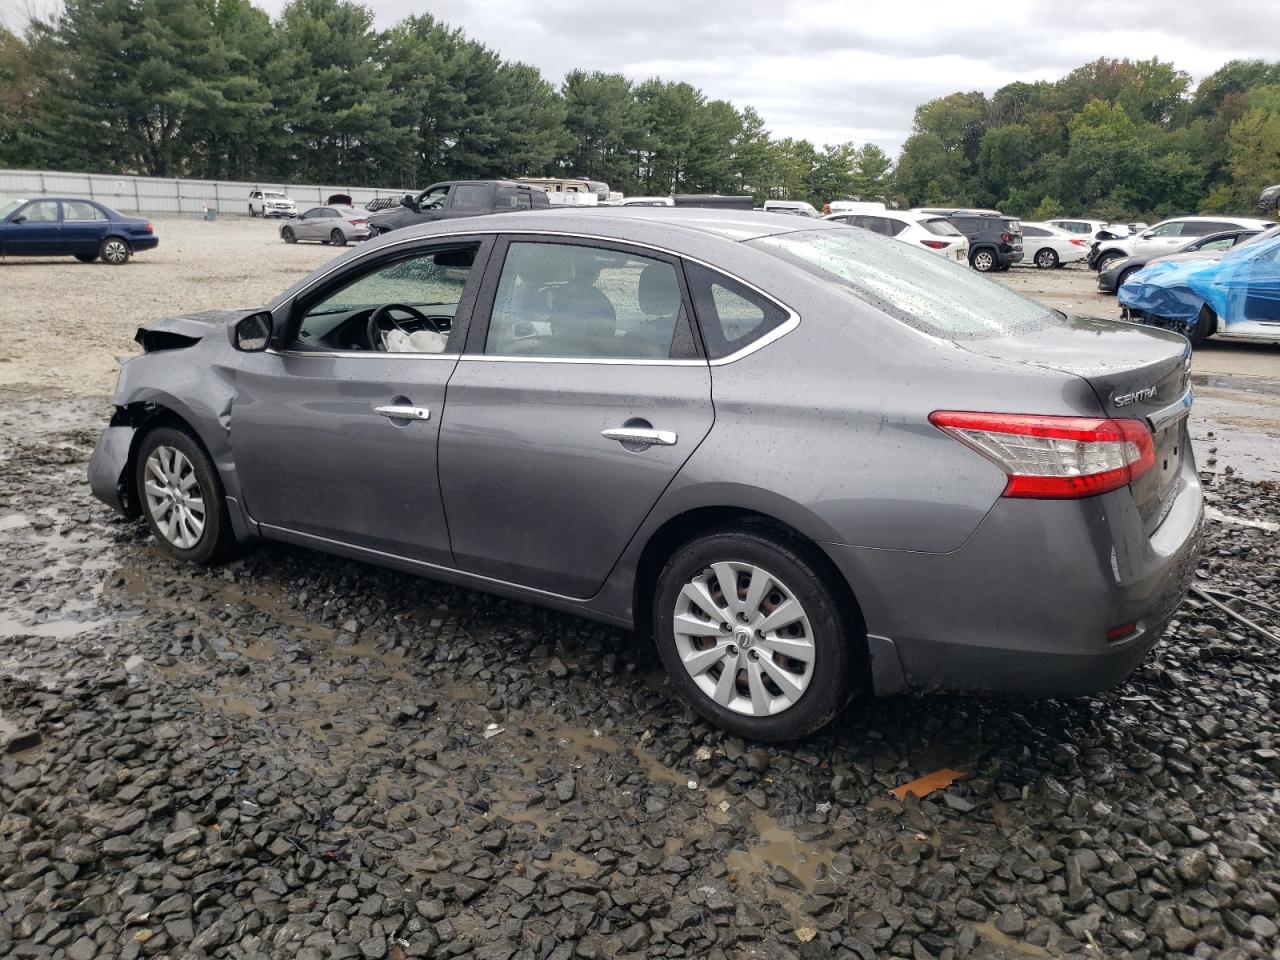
x,y
299,756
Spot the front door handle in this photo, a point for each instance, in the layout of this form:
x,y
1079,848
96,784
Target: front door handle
x,y
403,411
646,437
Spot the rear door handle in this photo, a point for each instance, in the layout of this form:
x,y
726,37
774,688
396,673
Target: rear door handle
x,y
403,411
648,437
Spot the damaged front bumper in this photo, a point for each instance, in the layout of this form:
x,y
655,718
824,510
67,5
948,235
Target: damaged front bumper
x,y
109,469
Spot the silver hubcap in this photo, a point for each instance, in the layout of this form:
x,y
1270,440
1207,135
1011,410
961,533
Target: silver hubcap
x,y
744,638
982,261
174,498
115,251
1045,259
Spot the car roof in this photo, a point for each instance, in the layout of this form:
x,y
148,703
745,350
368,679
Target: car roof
x,y
649,225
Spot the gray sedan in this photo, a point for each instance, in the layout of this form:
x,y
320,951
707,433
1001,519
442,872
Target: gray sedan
x,y
335,225
812,462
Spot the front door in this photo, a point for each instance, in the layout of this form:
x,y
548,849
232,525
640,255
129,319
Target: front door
x,y
34,230
334,433
570,412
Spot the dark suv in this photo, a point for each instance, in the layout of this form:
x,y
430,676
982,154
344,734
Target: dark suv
x,y
995,241
459,198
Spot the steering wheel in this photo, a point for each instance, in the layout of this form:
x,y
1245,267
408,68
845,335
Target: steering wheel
x,y
374,330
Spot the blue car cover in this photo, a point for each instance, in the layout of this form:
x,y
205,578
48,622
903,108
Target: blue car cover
x,y
1242,287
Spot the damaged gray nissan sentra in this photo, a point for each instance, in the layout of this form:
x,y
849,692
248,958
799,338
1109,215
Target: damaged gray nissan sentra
x,y
811,460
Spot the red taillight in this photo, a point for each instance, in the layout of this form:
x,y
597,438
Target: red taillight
x,y
1121,631
357,223
936,244
1055,457
148,228
1078,243
1006,238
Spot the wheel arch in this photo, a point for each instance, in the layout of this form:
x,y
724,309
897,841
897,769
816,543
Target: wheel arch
x,y
686,526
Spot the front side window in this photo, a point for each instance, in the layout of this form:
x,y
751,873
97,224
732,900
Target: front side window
x,y
730,314
1173,229
40,211
79,210
407,306
433,199
565,300
921,290
470,196
313,213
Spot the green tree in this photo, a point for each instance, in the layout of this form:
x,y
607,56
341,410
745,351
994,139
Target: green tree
x,y
1047,209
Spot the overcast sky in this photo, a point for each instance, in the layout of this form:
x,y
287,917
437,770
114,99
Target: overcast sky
x,y
834,70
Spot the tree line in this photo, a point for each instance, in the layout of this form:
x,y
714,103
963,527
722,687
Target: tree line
x,y
216,89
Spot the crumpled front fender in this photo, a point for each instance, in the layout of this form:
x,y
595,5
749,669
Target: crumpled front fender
x,y
108,469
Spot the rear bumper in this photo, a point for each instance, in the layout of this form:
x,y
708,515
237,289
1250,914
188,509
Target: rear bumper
x,y
1025,605
147,242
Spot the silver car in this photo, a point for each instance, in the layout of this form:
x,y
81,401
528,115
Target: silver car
x,y
813,462
336,225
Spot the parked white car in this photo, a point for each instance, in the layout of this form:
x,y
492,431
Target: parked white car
x,y
801,207
1045,246
1084,228
932,232
854,206
271,203
644,202
1170,235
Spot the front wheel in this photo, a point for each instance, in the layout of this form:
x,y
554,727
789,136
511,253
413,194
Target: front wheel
x,y
1106,260
1046,259
338,238
984,261
288,236
114,251
752,636
1205,326
181,496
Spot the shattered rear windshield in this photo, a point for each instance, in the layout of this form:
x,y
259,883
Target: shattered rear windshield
x,y
919,288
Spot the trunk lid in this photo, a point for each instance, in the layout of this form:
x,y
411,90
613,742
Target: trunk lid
x,y
1137,373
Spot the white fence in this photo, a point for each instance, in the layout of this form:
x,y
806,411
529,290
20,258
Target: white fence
x,y
160,195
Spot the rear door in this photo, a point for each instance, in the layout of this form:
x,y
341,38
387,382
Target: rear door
x,y
580,395
84,227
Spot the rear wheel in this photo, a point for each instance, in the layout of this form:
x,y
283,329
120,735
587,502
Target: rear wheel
x,y
984,261
288,236
338,238
1205,326
181,496
1046,259
114,251
752,636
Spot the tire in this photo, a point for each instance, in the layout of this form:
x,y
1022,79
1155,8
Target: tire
x,y
114,251
983,260
86,257
1205,326
172,464
1125,275
745,703
287,235
338,238
252,212
1105,259
1046,259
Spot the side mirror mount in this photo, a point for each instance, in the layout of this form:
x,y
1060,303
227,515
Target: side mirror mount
x,y
253,333
1148,235
407,201
19,219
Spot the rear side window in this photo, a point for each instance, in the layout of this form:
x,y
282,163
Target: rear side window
x,y
470,196
941,227
79,210
732,316
1034,232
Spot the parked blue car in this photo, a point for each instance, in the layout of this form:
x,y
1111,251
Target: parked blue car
x,y
1235,296
69,227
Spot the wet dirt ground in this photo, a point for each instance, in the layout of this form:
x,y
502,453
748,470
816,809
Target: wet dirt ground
x,y
298,756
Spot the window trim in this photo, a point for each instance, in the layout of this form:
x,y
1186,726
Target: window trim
x,y
31,203
100,218
488,240
295,307
481,315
